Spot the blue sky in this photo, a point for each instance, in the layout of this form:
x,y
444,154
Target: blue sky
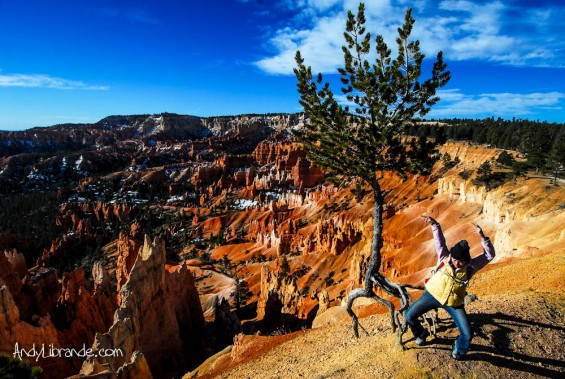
x,y
79,61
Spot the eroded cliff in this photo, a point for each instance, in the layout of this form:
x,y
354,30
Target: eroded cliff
x,y
169,248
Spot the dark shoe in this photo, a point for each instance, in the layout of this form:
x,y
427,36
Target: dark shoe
x,y
421,340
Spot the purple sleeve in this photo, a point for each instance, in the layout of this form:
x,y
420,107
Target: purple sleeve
x,y
439,239
481,261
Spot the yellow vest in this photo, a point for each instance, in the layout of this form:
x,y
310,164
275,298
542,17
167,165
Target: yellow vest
x,y
447,286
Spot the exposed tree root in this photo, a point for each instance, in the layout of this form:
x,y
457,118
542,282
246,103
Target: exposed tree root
x,y
399,291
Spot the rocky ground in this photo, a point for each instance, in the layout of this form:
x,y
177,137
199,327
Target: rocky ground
x,y
518,324
240,213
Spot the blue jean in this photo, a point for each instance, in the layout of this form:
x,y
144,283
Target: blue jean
x,y
426,303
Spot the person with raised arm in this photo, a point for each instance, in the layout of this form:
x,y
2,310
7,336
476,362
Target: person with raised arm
x,y
446,288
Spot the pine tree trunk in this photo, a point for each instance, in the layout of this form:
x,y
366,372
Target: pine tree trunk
x,y
377,242
374,278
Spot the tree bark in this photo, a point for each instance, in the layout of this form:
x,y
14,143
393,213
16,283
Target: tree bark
x,y
377,242
374,277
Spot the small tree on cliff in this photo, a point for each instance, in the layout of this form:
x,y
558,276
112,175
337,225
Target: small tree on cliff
x,y
17,368
241,293
368,141
285,268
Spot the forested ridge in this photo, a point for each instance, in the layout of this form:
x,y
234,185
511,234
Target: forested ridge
x,y
542,143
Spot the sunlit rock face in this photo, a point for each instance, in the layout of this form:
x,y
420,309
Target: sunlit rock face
x,y
280,300
50,314
128,247
524,213
159,316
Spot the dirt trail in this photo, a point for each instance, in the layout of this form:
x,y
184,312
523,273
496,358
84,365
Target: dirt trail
x,y
524,341
519,333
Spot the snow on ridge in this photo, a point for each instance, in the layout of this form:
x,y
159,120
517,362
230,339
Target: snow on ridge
x,y
78,162
243,204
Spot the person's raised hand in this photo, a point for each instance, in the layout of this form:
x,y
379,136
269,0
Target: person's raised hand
x,y
478,229
429,220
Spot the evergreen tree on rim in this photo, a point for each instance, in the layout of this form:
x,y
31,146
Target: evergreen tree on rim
x,y
364,143
556,158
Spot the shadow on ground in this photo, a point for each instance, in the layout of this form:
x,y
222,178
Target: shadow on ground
x,y
509,342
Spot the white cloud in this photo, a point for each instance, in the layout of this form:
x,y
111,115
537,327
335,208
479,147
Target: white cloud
x,y
323,4
456,104
472,30
44,81
462,29
314,5
318,47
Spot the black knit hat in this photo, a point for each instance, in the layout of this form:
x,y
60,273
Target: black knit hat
x,y
460,251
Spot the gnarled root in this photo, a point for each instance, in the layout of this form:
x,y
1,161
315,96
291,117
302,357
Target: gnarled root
x,y
393,289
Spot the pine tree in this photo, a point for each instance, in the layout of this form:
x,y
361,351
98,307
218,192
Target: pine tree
x,y
519,169
484,174
285,268
367,141
446,160
241,293
18,368
537,146
440,134
556,158
484,169
226,265
505,159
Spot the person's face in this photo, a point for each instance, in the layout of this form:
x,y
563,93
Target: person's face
x,y
457,263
